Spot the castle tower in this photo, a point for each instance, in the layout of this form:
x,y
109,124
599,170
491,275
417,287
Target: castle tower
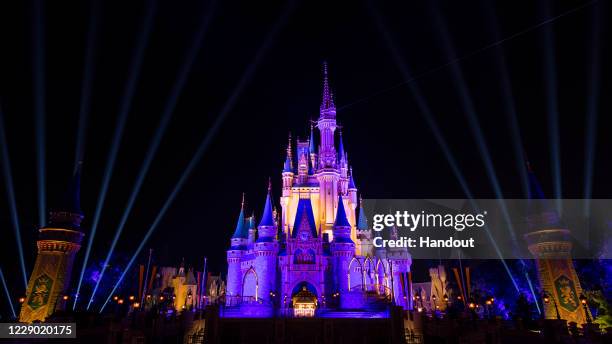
x,y
327,173
234,254
551,246
58,243
266,250
342,248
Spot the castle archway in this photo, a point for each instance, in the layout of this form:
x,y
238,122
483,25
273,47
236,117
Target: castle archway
x,y
304,300
250,285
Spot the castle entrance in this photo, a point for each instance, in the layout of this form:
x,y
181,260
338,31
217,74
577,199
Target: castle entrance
x,y
304,300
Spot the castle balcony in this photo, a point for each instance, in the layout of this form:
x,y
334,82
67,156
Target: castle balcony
x,y
304,267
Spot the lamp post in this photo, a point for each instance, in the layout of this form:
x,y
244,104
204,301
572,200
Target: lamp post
x,y
472,306
583,300
489,303
547,297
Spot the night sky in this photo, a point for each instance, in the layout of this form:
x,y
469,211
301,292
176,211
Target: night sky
x,y
390,146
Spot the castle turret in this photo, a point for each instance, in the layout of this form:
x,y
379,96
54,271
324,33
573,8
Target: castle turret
x,y
234,254
266,250
58,243
342,247
364,233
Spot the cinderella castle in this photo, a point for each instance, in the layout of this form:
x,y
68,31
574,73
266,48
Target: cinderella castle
x,y
316,257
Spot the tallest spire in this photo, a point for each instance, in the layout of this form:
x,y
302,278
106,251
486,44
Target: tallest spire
x,y
327,102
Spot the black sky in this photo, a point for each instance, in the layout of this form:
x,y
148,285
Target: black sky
x,y
390,146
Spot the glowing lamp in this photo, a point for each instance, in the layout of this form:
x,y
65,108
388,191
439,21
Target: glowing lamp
x,y
21,299
488,302
65,297
433,297
472,305
445,297
120,301
115,298
583,299
161,298
131,298
136,304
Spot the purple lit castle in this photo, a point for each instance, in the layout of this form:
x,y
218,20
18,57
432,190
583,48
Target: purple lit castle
x,y
317,258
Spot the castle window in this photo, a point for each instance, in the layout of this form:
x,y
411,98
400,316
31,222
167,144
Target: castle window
x,y
301,257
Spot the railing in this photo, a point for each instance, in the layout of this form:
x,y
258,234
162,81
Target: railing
x,y
231,301
374,292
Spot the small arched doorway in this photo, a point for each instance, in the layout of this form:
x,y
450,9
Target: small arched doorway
x,y
304,300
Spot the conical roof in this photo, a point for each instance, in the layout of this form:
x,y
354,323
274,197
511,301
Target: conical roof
x,y
267,218
341,219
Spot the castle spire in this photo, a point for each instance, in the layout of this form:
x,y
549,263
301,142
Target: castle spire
x,y
341,147
289,154
241,230
267,219
341,219
327,102
351,184
288,166
362,222
311,143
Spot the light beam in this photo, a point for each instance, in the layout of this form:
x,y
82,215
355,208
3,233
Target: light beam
x,y
88,71
10,194
427,114
8,295
157,137
128,94
246,77
470,111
